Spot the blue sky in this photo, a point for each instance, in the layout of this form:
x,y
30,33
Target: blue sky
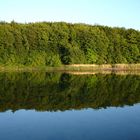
x,y
122,13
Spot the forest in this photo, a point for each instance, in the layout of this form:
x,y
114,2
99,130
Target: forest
x,y
60,91
60,43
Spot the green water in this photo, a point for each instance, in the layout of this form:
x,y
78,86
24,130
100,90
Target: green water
x,y
42,106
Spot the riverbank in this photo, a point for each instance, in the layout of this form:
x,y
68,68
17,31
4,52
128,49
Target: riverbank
x,y
75,67
105,67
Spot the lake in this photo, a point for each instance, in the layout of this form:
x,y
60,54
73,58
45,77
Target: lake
x,y
62,106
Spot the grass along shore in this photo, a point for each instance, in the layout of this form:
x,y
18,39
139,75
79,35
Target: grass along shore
x,y
75,67
105,67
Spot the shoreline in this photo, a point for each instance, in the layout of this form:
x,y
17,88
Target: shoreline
x,y
78,69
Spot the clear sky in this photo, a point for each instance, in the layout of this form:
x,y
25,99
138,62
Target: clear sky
x,y
122,13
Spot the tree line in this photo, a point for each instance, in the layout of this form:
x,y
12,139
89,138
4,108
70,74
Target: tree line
x,y
58,43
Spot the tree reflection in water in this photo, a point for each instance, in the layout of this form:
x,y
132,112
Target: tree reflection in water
x,y
56,91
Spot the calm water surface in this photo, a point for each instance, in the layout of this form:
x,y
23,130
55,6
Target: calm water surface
x,y
55,106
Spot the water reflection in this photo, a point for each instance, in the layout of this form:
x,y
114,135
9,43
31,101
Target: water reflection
x,y
56,91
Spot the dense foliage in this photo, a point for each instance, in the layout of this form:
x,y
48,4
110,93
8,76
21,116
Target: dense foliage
x,y
53,44
55,91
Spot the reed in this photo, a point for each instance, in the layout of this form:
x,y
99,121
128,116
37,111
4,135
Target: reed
x,y
76,67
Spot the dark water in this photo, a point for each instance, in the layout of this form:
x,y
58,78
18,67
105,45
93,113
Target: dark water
x,y
55,106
